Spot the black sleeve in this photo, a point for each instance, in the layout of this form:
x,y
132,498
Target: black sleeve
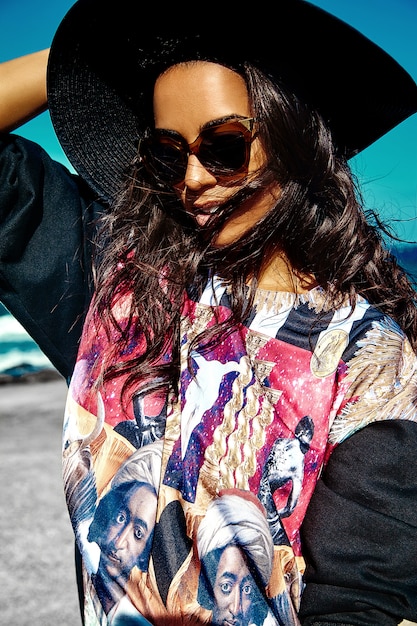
x,y
47,219
360,531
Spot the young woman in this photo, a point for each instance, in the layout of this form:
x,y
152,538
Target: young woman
x,y
241,311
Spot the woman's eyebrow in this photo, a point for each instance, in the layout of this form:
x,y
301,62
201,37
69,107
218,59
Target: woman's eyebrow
x,y
223,120
211,123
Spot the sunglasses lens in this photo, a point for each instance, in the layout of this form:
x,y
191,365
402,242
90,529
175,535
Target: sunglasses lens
x,y
223,150
165,158
223,153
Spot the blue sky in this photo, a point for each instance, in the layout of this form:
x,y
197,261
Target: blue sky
x,y
387,169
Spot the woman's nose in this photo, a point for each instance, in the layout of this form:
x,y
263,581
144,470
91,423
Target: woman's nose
x,y
196,175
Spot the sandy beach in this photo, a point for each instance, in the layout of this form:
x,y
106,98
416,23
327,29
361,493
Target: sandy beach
x,y
37,575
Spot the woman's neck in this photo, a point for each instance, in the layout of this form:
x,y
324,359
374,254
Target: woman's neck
x,y
278,275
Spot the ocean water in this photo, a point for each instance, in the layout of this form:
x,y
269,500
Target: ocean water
x,y
19,354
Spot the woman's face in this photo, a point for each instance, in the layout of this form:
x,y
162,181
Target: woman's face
x,y
186,98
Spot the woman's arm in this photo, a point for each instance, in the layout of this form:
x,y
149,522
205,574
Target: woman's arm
x,y
22,89
47,223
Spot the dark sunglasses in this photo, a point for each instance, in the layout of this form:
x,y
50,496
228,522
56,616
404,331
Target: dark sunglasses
x,y
222,149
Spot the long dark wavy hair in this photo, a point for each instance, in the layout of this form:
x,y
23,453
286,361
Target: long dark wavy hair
x,y
150,249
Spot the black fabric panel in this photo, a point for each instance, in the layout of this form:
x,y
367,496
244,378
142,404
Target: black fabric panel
x,y
170,546
46,221
300,318
79,580
360,531
359,330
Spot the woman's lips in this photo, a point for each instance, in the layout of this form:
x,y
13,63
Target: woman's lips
x,y
201,218
202,213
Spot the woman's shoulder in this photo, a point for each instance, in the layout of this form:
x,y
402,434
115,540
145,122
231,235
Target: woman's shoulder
x,y
28,172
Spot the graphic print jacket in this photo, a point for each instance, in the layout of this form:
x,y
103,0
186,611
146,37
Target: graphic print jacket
x,y
210,489
358,535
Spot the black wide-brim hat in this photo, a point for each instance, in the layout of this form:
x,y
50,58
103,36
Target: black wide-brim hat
x,y
106,56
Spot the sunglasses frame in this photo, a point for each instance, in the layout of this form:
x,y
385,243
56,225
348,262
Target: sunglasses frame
x,y
177,141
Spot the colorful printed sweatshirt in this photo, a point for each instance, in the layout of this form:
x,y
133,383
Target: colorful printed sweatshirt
x,y
211,488
279,486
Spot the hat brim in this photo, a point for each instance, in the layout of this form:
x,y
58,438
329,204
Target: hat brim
x,y
105,58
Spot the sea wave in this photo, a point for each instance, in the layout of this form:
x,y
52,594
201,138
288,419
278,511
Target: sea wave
x,y
19,353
